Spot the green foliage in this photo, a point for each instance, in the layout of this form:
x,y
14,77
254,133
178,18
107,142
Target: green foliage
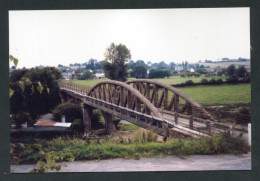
x,y
233,79
219,81
139,72
159,73
246,79
127,127
34,91
189,82
241,71
142,145
231,70
70,110
204,81
21,118
115,66
212,81
87,75
13,59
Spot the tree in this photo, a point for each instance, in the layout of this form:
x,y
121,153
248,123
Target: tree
x,y
241,71
86,75
139,72
116,57
140,63
231,70
131,64
162,65
159,73
91,64
172,66
35,91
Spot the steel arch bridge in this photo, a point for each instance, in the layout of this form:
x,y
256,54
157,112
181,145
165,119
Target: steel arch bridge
x,y
150,104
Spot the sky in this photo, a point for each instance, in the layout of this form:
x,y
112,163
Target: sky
x,y
64,37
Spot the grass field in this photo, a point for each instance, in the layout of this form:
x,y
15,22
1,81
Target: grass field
x,y
219,94
170,80
206,95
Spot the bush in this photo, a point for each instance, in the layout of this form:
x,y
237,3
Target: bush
x,y
70,110
182,75
233,79
219,81
204,81
208,74
246,79
21,118
189,82
212,81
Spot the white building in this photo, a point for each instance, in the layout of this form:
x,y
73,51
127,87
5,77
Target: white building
x,y
99,75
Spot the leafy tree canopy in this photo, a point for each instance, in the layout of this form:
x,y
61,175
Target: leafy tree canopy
x,y
139,72
116,57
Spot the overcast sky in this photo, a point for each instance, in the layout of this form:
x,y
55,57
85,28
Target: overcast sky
x,y
64,37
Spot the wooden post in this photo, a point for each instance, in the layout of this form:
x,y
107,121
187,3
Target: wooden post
x,y
138,105
148,91
122,96
155,96
129,100
165,98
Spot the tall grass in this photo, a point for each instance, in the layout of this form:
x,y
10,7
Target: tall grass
x,y
143,144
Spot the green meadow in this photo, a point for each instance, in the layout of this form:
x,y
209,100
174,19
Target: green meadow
x,y
205,94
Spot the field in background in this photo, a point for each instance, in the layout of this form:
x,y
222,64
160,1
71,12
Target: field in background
x,y
205,95
247,64
171,80
219,94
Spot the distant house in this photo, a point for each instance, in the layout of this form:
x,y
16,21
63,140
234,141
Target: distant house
x,y
100,74
74,67
179,68
65,75
191,70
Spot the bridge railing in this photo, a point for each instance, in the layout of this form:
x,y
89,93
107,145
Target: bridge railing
x,y
195,116
82,89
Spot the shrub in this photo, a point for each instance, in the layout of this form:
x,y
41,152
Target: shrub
x,y
212,81
70,110
21,118
182,75
219,81
204,81
208,74
246,79
233,79
189,82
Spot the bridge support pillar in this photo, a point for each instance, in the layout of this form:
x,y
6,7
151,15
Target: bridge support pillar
x,y
87,114
110,127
